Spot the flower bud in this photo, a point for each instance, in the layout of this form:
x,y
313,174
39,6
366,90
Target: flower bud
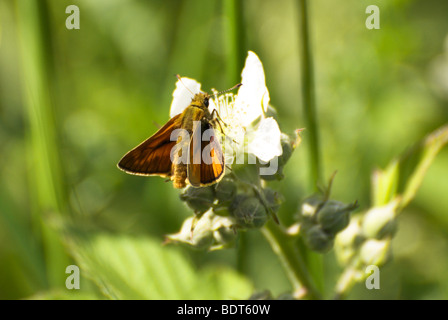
x,y
249,212
380,222
348,241
198,199
221,209
318,240
224,237
334,216
310,207
288,147
246,172
375,252
225,190
273,198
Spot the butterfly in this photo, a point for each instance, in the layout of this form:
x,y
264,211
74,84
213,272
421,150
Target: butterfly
x,y
183,157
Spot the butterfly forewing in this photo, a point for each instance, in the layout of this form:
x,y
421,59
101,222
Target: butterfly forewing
x,y
204,163
152,157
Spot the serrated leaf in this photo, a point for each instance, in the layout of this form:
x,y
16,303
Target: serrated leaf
x,y
126,267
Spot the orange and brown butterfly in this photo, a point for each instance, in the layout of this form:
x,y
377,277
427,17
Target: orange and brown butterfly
x,y
160,155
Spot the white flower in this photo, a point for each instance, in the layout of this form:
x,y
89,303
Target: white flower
x,y
253,96
239,112
182,95
266,142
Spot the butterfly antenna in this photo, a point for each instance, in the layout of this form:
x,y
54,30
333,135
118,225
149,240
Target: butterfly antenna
x,y
230,89
180,79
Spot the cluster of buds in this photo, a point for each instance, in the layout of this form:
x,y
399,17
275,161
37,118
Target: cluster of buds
x,y
223,209
367,239
366,242
322,219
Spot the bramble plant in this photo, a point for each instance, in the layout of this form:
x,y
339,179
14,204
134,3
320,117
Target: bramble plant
x,y
243,200
120,238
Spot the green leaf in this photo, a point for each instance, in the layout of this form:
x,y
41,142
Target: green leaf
x,y
385,183
417,162
404,175
126,267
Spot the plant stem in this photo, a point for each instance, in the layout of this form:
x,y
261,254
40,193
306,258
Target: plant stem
x,y
234,38
309,99
46,179
314,261
282,245
235,54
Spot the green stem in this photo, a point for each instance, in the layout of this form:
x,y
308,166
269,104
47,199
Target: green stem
x,y
46,179
282,245
314,261
235,54
309,99
234,38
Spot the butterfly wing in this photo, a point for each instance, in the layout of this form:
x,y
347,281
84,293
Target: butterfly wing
x,y
152,156
210,167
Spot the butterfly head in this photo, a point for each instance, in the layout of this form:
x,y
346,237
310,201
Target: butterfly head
x,y
201,99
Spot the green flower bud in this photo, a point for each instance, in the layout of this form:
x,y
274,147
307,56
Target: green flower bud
x,y
221,209
197,233
288,147
225,190
249,212
334,216
224,236
310,207
273,198
349,240
318,240
246,172
380,222
198,199
375,252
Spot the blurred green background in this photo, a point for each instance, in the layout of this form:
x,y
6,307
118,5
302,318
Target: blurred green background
x,y
72,102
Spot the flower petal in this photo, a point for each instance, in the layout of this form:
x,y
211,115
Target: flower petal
x,y
212,106
253,95
182,95
266,143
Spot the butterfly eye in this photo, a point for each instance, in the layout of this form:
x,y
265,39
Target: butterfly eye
x,y
206,102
